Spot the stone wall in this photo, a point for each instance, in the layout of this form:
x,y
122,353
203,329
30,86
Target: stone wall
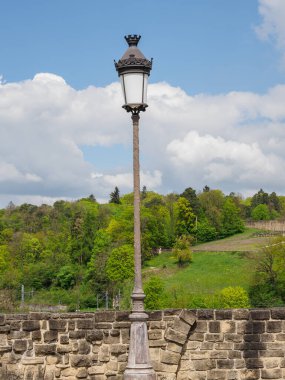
x,y
270,225
197,345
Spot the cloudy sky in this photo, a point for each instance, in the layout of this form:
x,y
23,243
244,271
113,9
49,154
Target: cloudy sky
x,y
216,98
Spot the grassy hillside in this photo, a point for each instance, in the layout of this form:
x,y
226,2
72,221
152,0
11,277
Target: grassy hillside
x,y
215,266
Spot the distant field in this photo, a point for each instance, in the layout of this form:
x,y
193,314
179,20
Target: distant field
x,y
239,243
216,265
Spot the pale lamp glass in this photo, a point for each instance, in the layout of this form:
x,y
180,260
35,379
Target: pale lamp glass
x,y
134,86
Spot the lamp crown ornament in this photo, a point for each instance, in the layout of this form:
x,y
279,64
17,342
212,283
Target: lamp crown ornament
x,y
133,39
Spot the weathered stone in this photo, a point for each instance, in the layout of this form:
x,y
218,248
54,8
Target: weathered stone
x,y
80,360
249,374
204,364
271,373
45,349
274,326
57,324
261,314
278,313
82,373
50,336
170,357
224,314
117,349
175,336
20,345
188,317
94,336
31,325
217,375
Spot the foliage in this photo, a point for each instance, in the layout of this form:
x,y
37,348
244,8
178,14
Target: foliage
x,y
234,297
260,212
205,231
153,289
115,196
120,264
268,287
185,217
182,250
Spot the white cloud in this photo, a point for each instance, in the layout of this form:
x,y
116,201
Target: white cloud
x,y
232,141
272,27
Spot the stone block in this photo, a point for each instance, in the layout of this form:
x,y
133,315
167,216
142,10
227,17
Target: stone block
x,y
80,360
200,327
85,324
117,349
78,334
236,338
155,315
83,347
274,326
45,349
214,327
217,374
214,337
271,373
155,334
253,363
205,314
181,326
174,347
57,324
50,336
31,325
278,313
64,339
170,357
197,337
260,314
204,364
192,375
188,317
20,345
219,354
224,314
225,363
175,336
82,373
240,314
250,374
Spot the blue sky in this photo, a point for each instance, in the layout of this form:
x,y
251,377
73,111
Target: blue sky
x,y
217,86
199,45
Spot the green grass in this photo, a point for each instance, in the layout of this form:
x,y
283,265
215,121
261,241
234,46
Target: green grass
x,y
208,273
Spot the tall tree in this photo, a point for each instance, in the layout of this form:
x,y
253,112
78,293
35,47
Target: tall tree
x,y
115,196
191,196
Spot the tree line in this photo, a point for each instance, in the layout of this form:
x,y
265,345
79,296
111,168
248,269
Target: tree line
x,y
71,251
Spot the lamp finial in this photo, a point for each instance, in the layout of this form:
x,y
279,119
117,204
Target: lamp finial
x,y
132,39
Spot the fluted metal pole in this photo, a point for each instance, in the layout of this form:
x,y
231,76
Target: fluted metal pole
x,y
139,366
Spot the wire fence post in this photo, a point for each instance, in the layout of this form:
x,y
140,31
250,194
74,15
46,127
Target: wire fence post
x,y
107,301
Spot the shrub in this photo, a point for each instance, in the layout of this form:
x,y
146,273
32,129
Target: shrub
x,y
181,250
234,297
154,293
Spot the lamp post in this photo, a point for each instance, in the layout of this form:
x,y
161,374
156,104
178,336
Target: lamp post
x,y
134,69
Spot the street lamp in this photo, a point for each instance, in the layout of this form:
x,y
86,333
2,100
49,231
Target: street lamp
x,y
134,69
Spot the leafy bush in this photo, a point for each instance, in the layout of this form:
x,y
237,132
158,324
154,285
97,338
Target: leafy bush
x,y
120,264
154,293
234,297
181,250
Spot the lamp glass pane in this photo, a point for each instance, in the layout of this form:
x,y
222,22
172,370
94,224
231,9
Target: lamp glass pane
x,y
145,88
133,84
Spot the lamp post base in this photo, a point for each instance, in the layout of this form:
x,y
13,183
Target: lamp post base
x,y
139,366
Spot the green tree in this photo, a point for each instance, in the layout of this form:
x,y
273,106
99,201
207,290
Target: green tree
x,y
120,264
191,196
268,288
115,196
231,220
185,222
182,250
154,289
234,297
260,212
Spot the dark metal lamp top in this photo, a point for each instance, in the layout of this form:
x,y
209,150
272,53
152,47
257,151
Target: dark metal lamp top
x,y
132,39
133,59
